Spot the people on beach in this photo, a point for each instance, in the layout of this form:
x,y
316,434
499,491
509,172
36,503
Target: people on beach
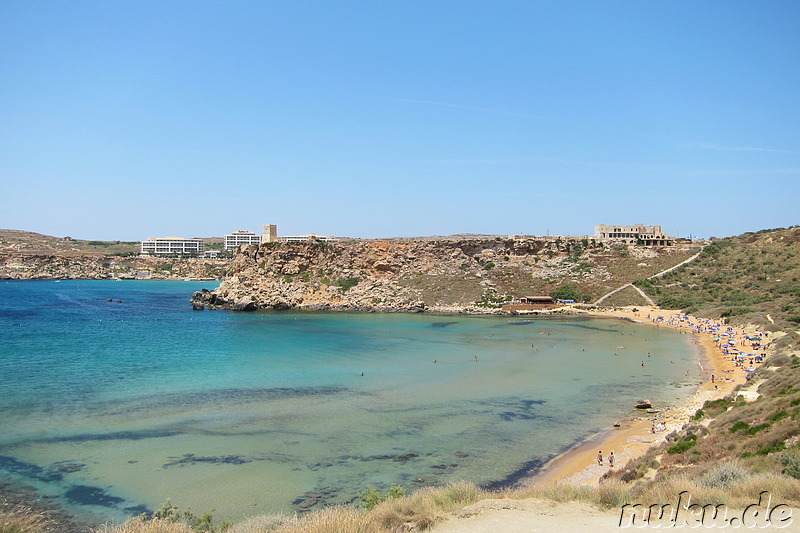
x,y
611,459
600,457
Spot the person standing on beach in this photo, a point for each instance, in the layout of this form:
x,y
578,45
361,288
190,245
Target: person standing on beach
x,y
600,457
611,459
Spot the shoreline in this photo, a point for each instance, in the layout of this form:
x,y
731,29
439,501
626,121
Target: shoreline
x,y
634,437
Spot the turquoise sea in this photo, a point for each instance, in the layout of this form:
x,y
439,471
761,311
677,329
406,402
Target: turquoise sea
x,y
115,396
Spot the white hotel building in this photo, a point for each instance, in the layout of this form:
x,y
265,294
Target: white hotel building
x,y
237,238
172,246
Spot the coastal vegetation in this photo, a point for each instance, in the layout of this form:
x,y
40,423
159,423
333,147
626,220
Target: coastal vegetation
x,y
752,278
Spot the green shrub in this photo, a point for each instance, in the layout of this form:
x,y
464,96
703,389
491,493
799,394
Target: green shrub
x,y
346,283
791,464
736,311
566,292
685,444
740,424
779,415
724,475
372,497
774,448
722,404
203,523
755,429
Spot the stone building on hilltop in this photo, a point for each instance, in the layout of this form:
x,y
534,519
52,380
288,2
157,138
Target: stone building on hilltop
x,y
637,234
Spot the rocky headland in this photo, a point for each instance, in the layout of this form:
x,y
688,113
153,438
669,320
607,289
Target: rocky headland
x,y
445,275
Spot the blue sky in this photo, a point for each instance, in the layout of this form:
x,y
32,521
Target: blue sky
x,y
128,120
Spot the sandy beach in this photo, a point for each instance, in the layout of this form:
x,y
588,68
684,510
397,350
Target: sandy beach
x,y
635,433
630,440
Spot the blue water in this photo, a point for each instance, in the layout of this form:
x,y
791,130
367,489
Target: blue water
x,y
110,407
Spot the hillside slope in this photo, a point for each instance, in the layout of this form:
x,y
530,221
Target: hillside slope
x,y
748,279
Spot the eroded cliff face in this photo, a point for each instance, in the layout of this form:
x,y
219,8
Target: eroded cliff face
x,y
444,275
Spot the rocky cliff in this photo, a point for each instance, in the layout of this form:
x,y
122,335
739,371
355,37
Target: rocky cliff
x,y
465,275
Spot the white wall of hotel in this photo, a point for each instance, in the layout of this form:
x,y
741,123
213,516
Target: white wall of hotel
x,y
172,246
237,238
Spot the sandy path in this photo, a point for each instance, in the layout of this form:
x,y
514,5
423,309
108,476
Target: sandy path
x,y
534,516
529,516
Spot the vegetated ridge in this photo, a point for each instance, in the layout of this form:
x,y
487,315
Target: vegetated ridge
x,y
752,278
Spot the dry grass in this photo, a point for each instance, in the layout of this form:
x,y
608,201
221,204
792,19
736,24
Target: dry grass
x,y
557,492
737,495
262,523
141,524
18,519
334,520
425,507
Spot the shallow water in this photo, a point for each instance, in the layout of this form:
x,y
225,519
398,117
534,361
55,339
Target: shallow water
x,y
113,406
